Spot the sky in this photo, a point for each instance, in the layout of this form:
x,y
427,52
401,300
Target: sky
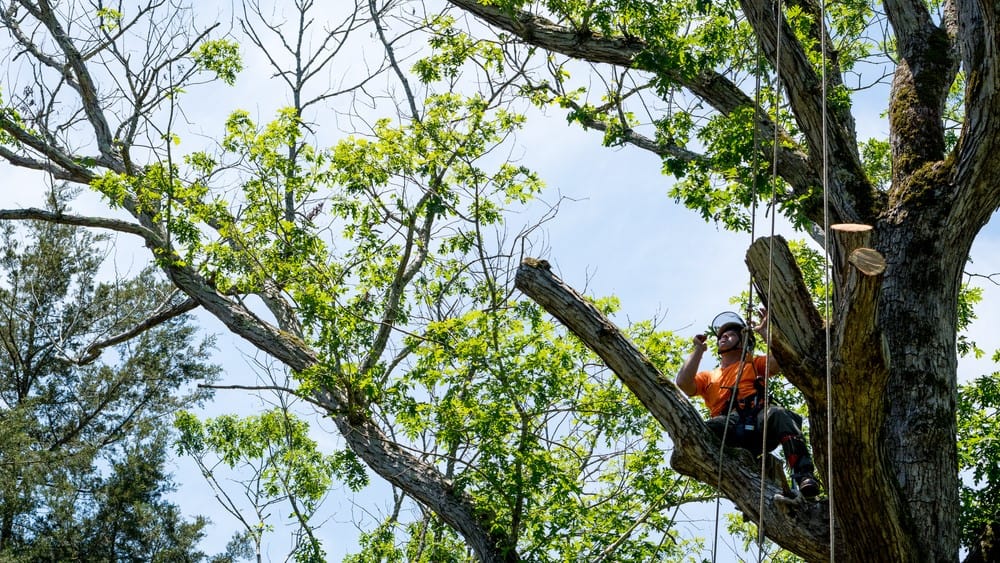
x,y
616,233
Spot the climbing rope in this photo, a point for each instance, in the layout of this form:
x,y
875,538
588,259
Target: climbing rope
x,y
827,285
745,341
826,292
770,273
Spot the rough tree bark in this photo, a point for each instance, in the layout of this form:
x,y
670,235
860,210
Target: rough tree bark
x,y
893,357
892,407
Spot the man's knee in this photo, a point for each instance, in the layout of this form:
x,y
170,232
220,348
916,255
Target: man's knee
x,y
783,422
717,424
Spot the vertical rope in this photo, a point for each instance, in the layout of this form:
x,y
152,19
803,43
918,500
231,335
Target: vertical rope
x,y
770,269
826,293
749,308
753,223
750,292
722,447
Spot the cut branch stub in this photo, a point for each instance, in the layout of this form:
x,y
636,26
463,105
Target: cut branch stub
x,y
848,238
797,328
868,261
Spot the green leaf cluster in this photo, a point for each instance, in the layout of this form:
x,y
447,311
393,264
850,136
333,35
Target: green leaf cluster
x,y
549,445
279,462
979,453
221,56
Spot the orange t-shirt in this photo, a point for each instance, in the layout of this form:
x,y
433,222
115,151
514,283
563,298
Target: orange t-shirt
x,y
714,385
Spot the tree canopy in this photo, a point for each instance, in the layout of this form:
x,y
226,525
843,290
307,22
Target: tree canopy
x,y
367,237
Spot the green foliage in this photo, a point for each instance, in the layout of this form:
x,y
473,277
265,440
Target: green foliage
x,y
968,297
876,157
505,390
403,227
451,50
747,532
979,453
221,56
378,546
83,467
110,18
275,459
123,518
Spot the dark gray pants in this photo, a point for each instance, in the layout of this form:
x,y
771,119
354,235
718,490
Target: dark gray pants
x,y
745,430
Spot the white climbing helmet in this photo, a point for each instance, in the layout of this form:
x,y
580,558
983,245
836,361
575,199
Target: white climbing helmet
x,y
730,320
725,320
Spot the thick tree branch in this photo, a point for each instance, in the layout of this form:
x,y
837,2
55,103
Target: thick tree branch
x,y
858,372
910,20
797,328
852,198
36,214
696,451
84,82
63,166
48,167
712,87
428,486
387,458
928,63
979,152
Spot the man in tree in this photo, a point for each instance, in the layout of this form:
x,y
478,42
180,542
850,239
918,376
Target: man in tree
x,y
740,421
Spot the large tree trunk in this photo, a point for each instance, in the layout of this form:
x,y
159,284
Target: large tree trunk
x,y
892,367
890,446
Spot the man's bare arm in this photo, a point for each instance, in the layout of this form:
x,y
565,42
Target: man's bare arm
x,y
685,377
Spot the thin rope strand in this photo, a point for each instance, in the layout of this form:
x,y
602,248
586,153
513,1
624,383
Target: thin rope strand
x,y
826,295
749,308
722,447
750,291
770,268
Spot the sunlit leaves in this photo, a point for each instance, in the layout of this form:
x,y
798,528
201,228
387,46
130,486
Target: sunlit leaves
x,y
221,56
544,439
451,50
109,17
876,157
278,461
275,441
968,297
979,453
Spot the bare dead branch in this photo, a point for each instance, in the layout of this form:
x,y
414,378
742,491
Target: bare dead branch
x,y
36,214
162,314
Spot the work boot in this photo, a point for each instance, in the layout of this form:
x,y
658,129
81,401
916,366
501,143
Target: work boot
x,y
807,484
801,465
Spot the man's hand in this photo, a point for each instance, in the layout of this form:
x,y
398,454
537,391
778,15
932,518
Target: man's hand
x,y
685,377
700,342
761,328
